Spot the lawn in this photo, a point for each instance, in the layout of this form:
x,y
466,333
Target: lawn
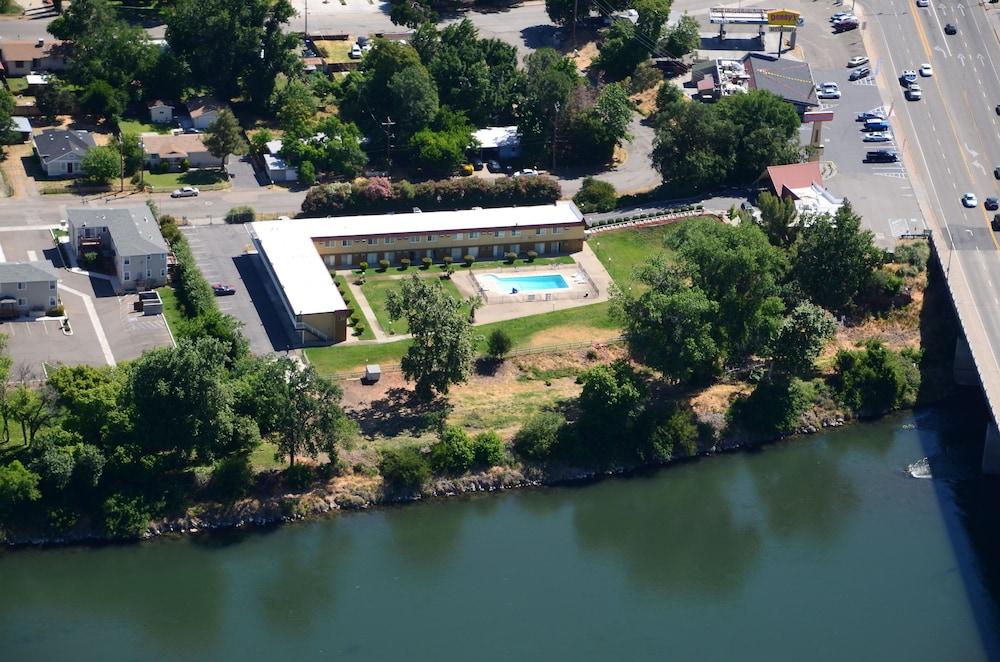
x,y
376,290
171,308
335,50
262,457
17,85
368,333
171,180
140,127
622,251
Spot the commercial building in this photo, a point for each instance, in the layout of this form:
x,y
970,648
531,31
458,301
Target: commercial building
x,y
299,254
128,237
787,78
803,183
27,288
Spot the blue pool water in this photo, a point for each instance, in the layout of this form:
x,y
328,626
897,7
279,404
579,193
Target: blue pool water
x,y
533,283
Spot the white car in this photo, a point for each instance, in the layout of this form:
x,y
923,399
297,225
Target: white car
x,y
355,53
830,85
969,200
914,93
186,192
828,93
909,76
527,172
923,3
926,70
877,137
839,15
857,61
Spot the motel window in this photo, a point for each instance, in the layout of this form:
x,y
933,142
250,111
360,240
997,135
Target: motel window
x,y
415,240
431,238
499,233
127,261
556,230
328,243
473,235
52,285
458,236
19,63
540,231
372,242
52,301
128,276
388,240
345,242
20,302
515,233
20,286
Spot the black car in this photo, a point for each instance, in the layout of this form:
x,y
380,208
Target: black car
x,y
494,166
882,156
995,223
996,172
844,26
950,29
991,203
998,109
363,41
477,163
859,73
868,115
222,290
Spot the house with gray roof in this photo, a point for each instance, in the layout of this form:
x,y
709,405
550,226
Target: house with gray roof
x,y
27,289
61,151
129,236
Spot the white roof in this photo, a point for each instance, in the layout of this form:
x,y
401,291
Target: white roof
x,y
36,79
816,199
495,136
309,289
274,146
275,163
20,124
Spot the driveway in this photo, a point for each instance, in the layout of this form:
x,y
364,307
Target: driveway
x,y
636,174
242,175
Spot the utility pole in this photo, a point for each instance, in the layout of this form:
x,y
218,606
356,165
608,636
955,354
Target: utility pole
x,y
121,154
307,19
555,124
575,2
387,126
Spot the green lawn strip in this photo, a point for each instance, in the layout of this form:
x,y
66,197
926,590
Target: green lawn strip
x,y
368,333
344,358
621,251
376,291
171,308
262,457
17,85
140,127
202,177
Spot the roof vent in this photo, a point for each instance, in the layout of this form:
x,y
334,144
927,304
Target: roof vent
x,y
40,43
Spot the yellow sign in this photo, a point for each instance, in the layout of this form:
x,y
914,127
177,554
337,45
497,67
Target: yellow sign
x,y
785,17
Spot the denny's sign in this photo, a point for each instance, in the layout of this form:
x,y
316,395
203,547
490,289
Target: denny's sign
x,y
784,17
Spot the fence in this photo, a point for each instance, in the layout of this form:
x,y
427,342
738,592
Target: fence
x,y
524,351
644,220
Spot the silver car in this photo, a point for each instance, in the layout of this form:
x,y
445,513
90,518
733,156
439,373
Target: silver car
x,y
186,192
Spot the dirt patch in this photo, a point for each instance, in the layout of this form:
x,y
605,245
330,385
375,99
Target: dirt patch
x,y
716,399
13,171
562,335
645,101
585,55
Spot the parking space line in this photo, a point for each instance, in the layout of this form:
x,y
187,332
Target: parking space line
x,y
102,339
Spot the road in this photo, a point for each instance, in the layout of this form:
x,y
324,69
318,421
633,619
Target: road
x,y
951,147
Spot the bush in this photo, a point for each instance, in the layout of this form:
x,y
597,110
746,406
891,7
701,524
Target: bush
x,y
56,311
487,449
359,329
539,436
298,477
362,266
775,406
125,518
404,467
185,165
404,263
242,214
595,196
426,262
644,77
453,453
307,173
498,344
915,254
447,259
232,478
469,259
876,380
383,264
510,257
532,255
884,283
675,436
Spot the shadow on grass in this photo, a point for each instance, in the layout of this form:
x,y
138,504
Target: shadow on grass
x,y
399,412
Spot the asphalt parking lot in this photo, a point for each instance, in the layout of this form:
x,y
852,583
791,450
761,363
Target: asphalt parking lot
x,y
880,192
104,328
220,251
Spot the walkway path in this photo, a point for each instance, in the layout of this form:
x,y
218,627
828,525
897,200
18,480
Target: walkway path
x,y
362,301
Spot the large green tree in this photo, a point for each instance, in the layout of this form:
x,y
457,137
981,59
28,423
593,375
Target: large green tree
x,y
441,150
89,402
412,91
682,38
800,340
7,104
441,352
102,164
224,137
363,95
295,106
331,145
778,217
551,79
626,45
836,258
235,47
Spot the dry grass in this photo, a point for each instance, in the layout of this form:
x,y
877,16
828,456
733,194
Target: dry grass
x,y
715,399
584,56
645,101
567,334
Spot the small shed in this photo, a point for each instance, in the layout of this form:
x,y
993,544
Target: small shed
x,y
21,127
279,170
373,373
499,142
161,112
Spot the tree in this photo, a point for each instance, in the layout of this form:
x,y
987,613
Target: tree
x,y
682,38
498,344
295,105
130,147
626,45
411,13
6,363
258,142
539,435
610,403
875,380
53,98
599,129
224,137
413,91
671,325
454,452
562,12
311,420
88,400
800,340
102,164
7,104
307,173
100,98
668,101
441,353
777,217
235,47
595,195
835,258
405,467
17,485
550,79
441,150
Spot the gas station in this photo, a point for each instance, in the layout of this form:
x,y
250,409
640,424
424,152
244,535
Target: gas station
x,y
774,20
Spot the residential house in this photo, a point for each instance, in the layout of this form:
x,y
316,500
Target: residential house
x,y
129,236
204,111
298,254
61,151
174,150
20,58
161,112
498,142
803,183
277,168
27,288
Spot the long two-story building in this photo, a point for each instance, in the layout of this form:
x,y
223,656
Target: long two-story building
x,y
128,236
298,255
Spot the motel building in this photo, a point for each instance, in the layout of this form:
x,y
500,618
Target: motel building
x,y
299,254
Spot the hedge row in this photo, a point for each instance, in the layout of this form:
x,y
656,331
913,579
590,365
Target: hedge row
x,y
193,292
379,195
646,215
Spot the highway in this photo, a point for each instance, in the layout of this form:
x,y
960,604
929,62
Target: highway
x,y
951,146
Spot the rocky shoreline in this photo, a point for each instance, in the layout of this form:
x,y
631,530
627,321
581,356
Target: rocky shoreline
x,y
365,493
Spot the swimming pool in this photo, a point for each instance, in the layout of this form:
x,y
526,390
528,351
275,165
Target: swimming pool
x,y
532,283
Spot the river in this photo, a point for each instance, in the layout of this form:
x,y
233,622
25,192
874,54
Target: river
x,y
820,548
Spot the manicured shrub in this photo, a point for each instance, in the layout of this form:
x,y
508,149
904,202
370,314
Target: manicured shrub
x,y
232,478
404,468
242,214
532,256
359,329
362,266
426,262
453,453
404,263
447,259
510,257
469,259
383,264
498,344
487,449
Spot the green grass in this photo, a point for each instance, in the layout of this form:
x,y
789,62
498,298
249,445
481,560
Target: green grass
x,y
376,291
11,8
138,126
262,458
335,50
204,177
171,308
17,85
368,333
622,251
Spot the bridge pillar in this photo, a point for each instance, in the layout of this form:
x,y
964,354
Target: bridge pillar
x,y
964,370
991,451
